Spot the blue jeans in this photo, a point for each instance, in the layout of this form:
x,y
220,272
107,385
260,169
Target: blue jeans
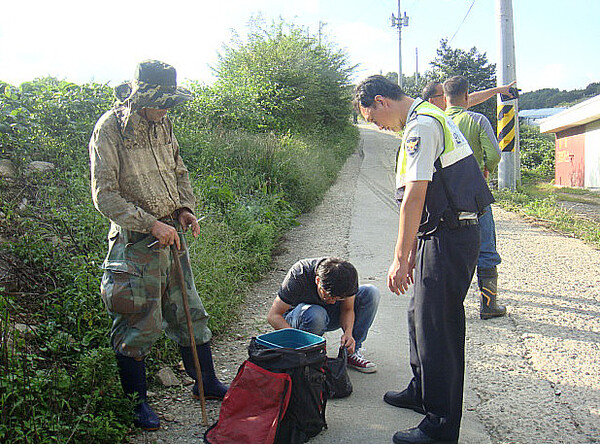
x,y
317,319
488,256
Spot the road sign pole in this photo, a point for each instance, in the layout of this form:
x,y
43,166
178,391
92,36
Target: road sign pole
x,y
508,120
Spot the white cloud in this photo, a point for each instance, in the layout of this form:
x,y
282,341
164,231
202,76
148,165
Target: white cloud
x,y
103,40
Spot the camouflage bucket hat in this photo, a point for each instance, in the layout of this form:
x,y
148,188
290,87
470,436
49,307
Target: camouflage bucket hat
x,y
154,86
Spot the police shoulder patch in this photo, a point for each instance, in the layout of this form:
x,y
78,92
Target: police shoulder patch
x,y
412,145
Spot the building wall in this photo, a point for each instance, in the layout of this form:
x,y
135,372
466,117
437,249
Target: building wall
x,y
570,157
592,155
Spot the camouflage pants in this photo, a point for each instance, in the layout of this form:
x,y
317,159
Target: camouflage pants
x,y
142,293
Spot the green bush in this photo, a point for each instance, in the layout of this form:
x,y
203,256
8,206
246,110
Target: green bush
x,y
537,153
50,120
278,80
46,402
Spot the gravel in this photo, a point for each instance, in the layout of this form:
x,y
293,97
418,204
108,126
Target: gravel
x,y
537,371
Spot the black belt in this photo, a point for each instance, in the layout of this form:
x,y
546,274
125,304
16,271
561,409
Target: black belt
x,y
459,223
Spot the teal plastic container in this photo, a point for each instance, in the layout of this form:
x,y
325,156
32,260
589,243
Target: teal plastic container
x,y
289,338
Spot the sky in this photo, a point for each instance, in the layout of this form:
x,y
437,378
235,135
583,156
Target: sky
x,y
556,43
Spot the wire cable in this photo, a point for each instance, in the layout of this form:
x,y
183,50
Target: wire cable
x,y
463,21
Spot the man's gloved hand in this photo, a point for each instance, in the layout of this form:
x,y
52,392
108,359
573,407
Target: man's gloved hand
x,y
513,93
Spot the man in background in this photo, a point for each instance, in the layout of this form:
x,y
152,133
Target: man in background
x,y
433,92
480,135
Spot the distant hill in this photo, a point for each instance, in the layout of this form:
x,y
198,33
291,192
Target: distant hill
x,y
553,97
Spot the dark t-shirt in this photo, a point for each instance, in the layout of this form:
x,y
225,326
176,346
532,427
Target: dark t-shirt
x,y
299,284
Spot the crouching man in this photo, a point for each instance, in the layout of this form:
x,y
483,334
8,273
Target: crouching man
x,y
319,295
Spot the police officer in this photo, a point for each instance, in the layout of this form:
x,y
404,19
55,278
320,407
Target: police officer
x,y
479,133
140,183
440,190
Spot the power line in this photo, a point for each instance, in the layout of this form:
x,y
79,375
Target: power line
x,y
463,21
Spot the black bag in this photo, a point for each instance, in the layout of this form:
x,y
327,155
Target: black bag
x,y
305,415
336,374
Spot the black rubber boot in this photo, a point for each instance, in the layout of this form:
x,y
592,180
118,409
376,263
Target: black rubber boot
x,y
133,381
213,388
487,279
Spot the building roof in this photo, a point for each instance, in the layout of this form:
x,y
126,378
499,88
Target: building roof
x,y
580,114
540,113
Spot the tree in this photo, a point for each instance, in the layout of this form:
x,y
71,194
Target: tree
x,y
553,97
473,65
282,80
392,76
410,85
537,152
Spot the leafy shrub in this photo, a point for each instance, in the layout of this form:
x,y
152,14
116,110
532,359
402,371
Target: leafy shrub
x,y
278,80
50,120
537,153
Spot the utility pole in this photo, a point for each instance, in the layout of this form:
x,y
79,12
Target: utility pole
x,y
509,170
417,67
321,25
399,22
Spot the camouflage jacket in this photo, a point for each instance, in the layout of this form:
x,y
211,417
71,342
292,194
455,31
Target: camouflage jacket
x,y
137,174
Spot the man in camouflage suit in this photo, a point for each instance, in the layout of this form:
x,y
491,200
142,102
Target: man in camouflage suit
x,y
140,183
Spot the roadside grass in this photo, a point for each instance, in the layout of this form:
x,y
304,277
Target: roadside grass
x,y
580,195
540,201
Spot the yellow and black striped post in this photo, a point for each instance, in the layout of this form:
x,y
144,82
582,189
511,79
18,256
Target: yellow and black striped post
x,y
506,127
508,108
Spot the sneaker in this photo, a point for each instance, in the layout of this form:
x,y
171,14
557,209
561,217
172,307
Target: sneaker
x,y
358,362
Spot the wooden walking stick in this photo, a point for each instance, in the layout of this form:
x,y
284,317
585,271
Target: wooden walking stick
x,y
188,317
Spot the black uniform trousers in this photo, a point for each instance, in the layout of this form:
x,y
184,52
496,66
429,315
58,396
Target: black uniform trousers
x,y
445,264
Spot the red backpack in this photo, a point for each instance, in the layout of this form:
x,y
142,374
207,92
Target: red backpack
x,y
252,408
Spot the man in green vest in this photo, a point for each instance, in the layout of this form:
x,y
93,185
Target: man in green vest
x,y
480,134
